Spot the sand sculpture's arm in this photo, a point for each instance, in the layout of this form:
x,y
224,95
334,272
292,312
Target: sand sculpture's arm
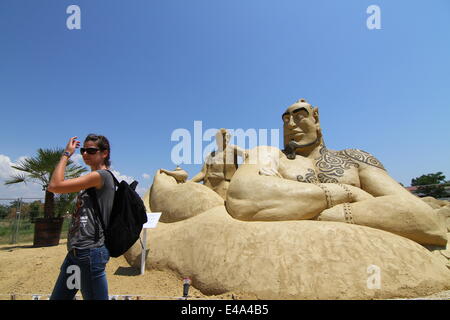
x,y
258,192
241,152
393,209
199,177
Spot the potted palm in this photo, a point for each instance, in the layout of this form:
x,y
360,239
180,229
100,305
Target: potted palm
x,y
39,169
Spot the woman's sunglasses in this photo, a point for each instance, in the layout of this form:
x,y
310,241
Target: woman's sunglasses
x,y
89,150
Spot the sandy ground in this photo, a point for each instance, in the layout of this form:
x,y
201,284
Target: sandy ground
x,y
27,271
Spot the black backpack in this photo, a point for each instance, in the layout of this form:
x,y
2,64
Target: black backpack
x,y
128,214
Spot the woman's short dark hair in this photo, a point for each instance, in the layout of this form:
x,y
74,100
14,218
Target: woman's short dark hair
x,y
102,143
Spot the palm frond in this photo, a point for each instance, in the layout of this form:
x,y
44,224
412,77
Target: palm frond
x,y
39,168
74,171
18,178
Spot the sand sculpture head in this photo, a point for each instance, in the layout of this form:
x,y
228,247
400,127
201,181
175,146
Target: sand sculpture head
x,y
301,127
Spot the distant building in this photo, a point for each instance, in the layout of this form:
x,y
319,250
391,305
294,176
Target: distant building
x,y
414,190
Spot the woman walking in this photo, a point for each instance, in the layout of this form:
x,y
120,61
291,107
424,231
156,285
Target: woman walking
x,y
84,266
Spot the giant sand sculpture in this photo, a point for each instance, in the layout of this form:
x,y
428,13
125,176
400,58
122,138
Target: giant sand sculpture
x,y
305,222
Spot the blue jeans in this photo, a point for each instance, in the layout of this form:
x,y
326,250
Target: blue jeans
x,y
84,270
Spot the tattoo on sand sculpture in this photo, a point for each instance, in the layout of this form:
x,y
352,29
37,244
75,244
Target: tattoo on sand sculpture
x,y
332,164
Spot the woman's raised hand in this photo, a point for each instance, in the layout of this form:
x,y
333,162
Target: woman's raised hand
x,y
72,145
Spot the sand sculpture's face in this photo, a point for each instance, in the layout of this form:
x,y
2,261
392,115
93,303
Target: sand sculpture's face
x,y
300,124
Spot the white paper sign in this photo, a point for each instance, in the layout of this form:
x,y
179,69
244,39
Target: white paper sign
x,y
152,220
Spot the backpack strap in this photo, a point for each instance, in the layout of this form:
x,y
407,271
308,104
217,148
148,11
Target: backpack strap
x,y
116,182
133,185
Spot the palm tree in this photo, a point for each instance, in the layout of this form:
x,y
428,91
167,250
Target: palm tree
x,y
39,170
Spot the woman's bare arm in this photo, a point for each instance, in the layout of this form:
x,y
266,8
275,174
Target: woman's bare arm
x,y
59,185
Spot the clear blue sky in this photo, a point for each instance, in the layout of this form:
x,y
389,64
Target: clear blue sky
x,y
137,70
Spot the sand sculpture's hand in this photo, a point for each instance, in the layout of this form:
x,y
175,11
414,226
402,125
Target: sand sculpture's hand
x,y
338,193
179,174
358,194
